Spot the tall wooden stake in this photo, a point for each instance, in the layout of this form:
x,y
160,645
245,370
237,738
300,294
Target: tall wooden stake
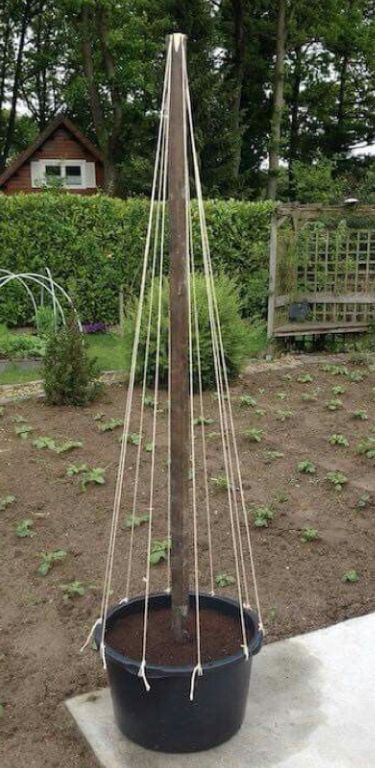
x,y
179,395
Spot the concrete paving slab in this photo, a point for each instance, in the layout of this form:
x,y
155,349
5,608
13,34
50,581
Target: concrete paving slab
x,y
311,705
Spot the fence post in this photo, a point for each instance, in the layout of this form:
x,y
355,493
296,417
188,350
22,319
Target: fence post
x,y
272,278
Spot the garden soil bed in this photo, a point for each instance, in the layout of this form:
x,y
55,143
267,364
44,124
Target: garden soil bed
x,y
301,586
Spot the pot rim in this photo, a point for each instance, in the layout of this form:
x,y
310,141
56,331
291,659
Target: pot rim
x,y
159,670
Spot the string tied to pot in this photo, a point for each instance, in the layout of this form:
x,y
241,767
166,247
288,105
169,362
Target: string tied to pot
x,y
198,670
90,635
142,674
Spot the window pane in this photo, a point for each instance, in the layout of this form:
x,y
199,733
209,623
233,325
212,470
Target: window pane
x,y
53,170
73,175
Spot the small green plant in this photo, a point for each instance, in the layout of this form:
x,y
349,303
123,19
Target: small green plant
x,y
309,397
280,497
305,378
338,479
203,421
24,529
367,447
272,456
287,377
159,551
1,410
355,376
220,482
213,435
253,434
110,425
5,501
306,467
52,445
363,501
246,401
309,534
259,412
23,430
134,438
135,521
73,589
350,577
70,376
337,439
149,447
284,415
224,580
262,517
75,469
149,401
98,416
48,559
94,475
334,404
281,395
338,390
360,415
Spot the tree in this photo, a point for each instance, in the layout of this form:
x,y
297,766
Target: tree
x,y
278,101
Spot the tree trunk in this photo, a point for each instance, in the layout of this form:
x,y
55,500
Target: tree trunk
x,y
294,126
16,84
278,103
238,78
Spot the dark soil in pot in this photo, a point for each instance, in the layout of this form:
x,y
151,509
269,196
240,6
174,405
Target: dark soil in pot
x,y
164,718
220,637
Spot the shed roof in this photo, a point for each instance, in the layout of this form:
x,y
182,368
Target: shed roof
x,y
59,120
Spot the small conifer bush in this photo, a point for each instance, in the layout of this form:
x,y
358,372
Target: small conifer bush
x,y
68,372
234,330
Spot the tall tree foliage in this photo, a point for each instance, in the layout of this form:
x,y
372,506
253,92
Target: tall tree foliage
x,y
289,81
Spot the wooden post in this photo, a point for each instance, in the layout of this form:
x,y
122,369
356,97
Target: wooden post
x,y
121,310
272,279
179,395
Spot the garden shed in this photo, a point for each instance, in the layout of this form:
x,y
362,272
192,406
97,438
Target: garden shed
x,y
60,155
322,270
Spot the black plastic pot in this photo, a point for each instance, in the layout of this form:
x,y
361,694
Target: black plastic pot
x,y
164,719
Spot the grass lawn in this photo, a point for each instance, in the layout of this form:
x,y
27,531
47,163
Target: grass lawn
x,y
106,347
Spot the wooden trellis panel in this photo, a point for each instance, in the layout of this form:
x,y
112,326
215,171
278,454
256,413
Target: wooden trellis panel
x,y
334,271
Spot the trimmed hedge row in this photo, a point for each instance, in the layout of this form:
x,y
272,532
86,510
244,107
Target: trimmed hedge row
x,y
92,245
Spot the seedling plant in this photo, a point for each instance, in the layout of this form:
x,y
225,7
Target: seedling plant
x,y
338,479
309,534
52,445
159,551
253,434
224,580
5,501
306,467
48,559
350,577
24,529
337,439
262,517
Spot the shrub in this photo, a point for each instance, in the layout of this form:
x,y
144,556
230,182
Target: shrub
x,y
20,346
45,321
233,329
69,374
95,244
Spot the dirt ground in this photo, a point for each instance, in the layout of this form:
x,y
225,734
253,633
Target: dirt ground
x,y
301,586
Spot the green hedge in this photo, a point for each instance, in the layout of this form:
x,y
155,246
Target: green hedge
x,y
92,245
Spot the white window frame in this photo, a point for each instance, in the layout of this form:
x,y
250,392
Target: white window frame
x,y
43,164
